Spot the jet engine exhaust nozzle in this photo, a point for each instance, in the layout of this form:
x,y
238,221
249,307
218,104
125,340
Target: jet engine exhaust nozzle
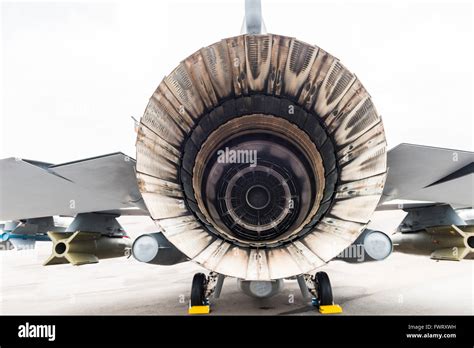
x,y
261,157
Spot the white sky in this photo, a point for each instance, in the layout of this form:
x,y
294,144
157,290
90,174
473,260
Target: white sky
x,y
74,72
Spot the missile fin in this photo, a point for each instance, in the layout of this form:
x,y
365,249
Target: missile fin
x,y
78,259
451,254
54,260
57,236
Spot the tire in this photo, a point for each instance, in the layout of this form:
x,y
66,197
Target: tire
x,y
197,290
323,286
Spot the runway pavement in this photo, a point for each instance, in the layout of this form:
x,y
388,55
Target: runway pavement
x,y
402,284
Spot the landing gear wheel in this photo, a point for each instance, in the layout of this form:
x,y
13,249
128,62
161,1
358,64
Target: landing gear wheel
x,y
323,288
198,289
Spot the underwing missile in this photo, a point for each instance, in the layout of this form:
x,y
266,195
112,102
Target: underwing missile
x,y
80,247
440,242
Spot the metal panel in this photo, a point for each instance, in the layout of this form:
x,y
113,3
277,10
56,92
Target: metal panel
x,y
234,263
181,85
186,234
217,60
257,54
279,56
458,192
412,168
258,265
102,183
336,83
236,49
197,71
300,60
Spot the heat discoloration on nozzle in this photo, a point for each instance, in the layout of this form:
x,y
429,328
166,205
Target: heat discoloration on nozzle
x,y
315,148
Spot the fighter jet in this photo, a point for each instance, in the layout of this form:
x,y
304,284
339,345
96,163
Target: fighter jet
x,y
259,157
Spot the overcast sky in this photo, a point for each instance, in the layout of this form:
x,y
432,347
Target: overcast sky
x,y
73,73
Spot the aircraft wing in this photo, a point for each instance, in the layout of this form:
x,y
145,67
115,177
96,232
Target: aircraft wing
x,y
432,174
107,183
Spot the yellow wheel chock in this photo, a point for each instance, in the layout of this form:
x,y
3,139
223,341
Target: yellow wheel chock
x,y
199,309
330,309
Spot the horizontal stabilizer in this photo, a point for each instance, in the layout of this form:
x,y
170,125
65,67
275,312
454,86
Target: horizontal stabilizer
x,y
105,183
431,174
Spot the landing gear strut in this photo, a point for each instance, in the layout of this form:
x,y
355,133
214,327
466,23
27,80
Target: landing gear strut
x,y
319,288
202,289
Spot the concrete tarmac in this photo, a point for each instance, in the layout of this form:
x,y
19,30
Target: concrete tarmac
x,y
402,284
